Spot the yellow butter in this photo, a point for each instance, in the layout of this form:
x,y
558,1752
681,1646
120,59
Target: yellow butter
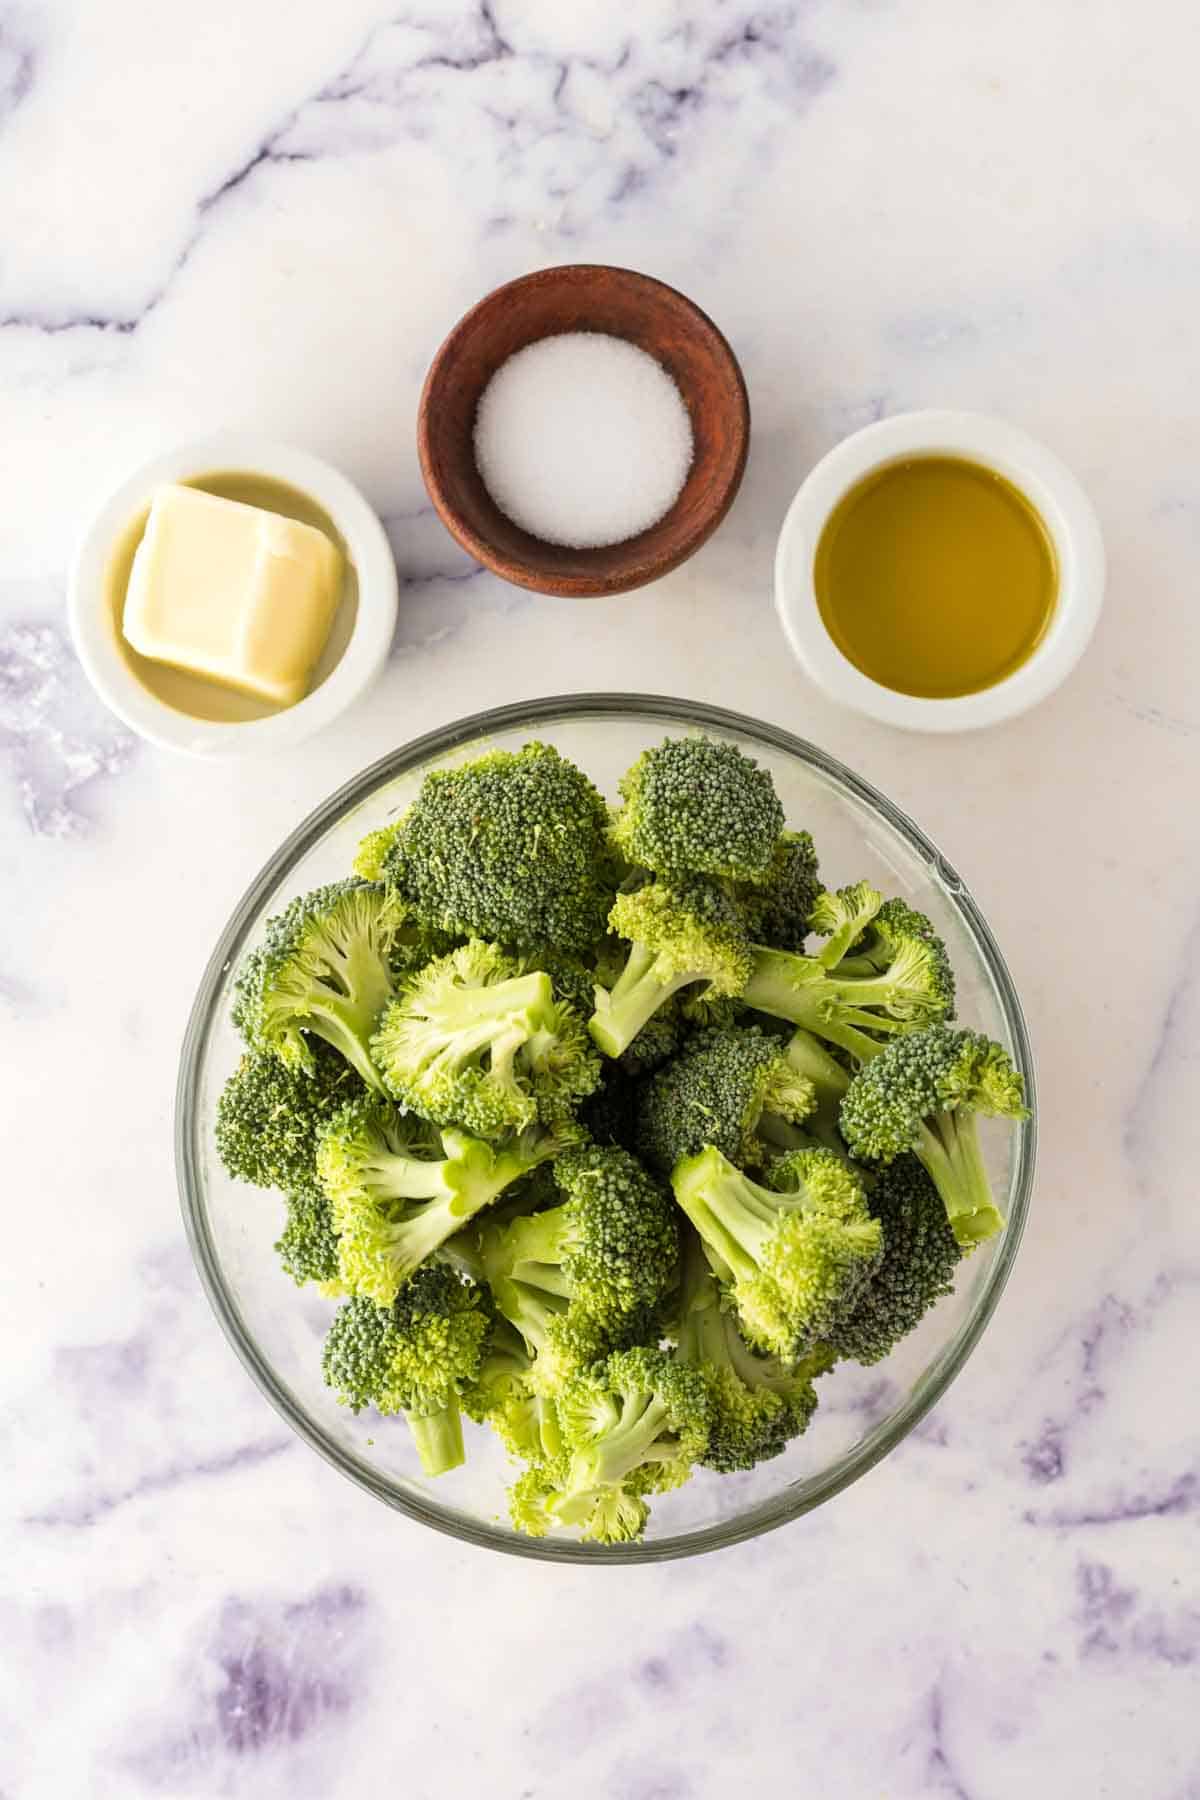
x,y
228,591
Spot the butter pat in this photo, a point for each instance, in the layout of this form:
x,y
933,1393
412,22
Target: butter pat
x,y
240,595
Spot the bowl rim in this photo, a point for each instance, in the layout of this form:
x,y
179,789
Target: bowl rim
x,y
781,1508
361,661
1056,495
643,568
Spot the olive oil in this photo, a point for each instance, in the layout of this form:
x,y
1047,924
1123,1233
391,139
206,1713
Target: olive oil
x,y
936,577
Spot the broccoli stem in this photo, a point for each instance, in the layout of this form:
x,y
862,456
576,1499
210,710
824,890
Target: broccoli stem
x,y
636,997
734,1216
347,1026
948,1146
811,1059
796,988
439,1439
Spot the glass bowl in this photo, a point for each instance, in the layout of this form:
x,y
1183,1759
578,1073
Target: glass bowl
x,y
277,1329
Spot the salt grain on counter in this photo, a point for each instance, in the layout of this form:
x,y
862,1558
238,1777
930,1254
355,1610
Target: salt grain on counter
x,y
583,439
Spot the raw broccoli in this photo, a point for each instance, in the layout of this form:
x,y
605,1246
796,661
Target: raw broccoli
x,y
584,1277
501,1396
687,932
323,969
920,1256
399,1188
888,939
415,1356
922,1094
812,1062
634,1425
372,851
308,1244
716,1091
511,847
660,1035
777,909
470,1041
757,1405
270,1115
902,979
794,1255
694,806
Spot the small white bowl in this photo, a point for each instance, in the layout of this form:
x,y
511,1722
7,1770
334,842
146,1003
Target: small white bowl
x,y
1045,481
114,679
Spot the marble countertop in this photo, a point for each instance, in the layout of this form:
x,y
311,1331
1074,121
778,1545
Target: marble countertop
x,y
266,216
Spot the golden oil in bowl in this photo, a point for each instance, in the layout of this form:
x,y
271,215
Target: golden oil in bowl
x,y
935,576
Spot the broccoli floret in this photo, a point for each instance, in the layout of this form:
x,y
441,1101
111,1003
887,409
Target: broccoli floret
x,y
324,968
887,941
415,1356
901,981
841,916
511,847
922,1094
777,910
634,1425
270,1116
399,1189
501,1396
920,1256
716,1091
471,1041
688,932
308,1245
372,851
584,1277
793,1260
694,806
757,1405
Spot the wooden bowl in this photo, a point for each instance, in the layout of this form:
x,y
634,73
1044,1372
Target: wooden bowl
x,y
584,297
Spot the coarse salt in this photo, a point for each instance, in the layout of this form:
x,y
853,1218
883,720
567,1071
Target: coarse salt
x,y
583,439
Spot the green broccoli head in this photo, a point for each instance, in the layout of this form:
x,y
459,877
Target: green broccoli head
x,y
716,1091
633,1425
757,1404
841,916
270,1115
610,1248
696,806
510,847
324,970
920,1257
307,1247
502,1396
777,908
690,931
372,852
794,1255
584,1277
900,937
399,1189
472,1041
415,1356
922,1094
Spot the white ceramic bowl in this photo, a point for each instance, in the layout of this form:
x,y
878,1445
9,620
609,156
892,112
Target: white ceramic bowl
x,y
361,660
1047,483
